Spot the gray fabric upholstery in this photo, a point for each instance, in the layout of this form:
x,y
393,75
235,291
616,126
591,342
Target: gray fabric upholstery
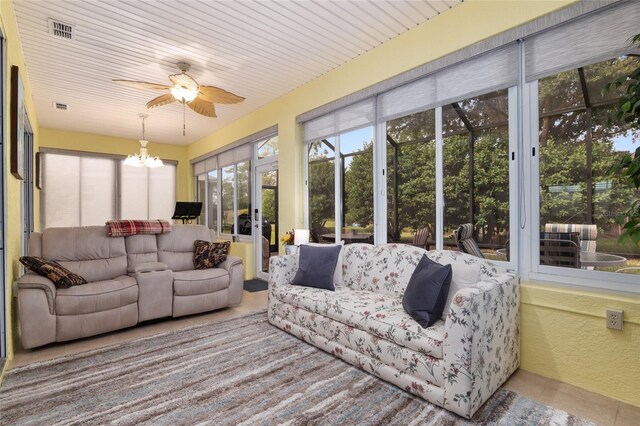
x,y
162,282
146,267
201,281
233,265
155,294
176,247
141,249
87,251
188,305
69,327
37,323
97,296
35,244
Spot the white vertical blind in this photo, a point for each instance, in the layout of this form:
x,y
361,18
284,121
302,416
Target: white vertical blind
x,y
97,194
593,38
80,190
134,192
352,117
60,190
162,192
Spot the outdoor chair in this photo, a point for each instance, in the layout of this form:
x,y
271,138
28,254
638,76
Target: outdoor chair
x,y
587,233
420,238
560,249
464,239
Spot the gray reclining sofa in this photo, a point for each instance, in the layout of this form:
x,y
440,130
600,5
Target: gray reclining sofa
x,y
130,279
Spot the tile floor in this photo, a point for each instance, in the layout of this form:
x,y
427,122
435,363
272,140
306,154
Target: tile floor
x,y
584,404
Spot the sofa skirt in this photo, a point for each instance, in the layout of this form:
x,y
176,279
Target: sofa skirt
x,y
405,381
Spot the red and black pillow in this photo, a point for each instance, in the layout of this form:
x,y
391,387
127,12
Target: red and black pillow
x,y
208,255
61,276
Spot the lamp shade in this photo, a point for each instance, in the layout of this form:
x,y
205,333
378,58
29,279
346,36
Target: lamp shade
x,y
301,236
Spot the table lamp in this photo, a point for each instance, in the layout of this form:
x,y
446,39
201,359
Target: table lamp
x,y
301,236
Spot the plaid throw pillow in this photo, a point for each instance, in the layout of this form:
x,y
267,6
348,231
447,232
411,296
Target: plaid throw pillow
x,y
61,276
209,255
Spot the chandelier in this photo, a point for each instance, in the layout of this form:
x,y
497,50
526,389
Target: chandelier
x,y
143,159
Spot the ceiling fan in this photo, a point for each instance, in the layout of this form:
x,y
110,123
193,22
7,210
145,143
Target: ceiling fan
x,y
186,90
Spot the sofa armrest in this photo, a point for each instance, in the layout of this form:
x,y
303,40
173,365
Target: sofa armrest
x,y
147,267
233,265
282,269
229,263
31,280
481,346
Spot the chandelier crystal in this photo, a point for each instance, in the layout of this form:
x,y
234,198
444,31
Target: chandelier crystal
x,y
143,159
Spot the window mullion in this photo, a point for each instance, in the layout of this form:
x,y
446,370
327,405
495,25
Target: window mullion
x,y
338,190
439,181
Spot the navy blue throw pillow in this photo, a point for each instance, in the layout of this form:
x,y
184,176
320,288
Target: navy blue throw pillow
x,y
316,266
427,291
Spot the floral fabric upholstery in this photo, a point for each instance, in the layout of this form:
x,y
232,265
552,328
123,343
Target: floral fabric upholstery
x,y
380,315
475,347
406,361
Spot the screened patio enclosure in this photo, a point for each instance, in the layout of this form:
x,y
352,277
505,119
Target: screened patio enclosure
x,y
578,143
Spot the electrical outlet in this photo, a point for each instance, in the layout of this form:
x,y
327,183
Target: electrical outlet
x,y
615,319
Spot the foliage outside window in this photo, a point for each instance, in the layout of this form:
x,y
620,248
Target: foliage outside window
x,y
411,176
579,144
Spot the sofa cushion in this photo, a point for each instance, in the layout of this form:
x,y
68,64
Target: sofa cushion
x,y
208,255
337,274
379,314
97,296
467,270
201,281
176,247
141,249
61,277
427,291
86,251
316,266
386,268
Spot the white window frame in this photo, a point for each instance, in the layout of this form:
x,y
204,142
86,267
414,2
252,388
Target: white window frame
x,y
601,280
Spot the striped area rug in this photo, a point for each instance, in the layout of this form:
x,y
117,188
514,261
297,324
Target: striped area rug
x,y
241,371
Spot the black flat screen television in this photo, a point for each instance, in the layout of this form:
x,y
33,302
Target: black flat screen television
x,y
187,211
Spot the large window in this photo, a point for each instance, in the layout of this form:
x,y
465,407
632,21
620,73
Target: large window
x,y
411,177
322,190
80,190
350,177
518,141
579,142
223,185
476,169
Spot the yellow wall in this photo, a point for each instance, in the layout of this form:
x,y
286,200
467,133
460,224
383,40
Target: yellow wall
x,y
61,139
563,331
564,337
12,201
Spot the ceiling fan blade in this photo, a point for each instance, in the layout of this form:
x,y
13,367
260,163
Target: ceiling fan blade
x,y
219,96
184,80
161,100
203,107
143,84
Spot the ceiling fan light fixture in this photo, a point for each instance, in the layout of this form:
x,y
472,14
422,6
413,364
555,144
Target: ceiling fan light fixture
x,y
183,94
143,159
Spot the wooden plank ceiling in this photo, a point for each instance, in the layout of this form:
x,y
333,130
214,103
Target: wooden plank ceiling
x,y
256,49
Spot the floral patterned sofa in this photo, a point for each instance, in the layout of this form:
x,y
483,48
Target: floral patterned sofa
x,y
457,363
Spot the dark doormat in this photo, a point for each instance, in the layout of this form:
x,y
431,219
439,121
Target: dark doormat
x,y
255,285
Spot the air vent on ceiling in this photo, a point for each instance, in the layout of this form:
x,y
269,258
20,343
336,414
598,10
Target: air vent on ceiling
x,y
60,106
62,30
